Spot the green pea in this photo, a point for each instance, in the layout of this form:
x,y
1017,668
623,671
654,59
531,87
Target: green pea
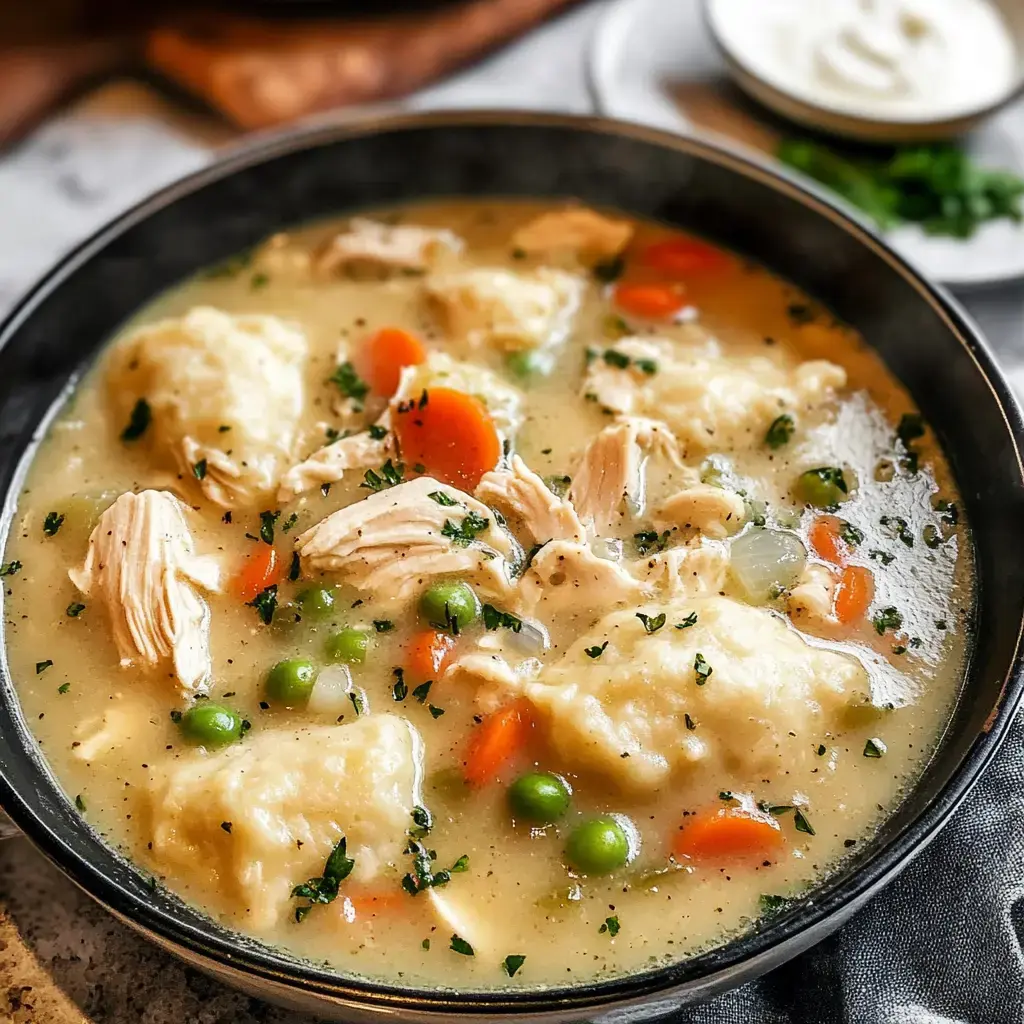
x,y
450,605
349,645
539,797
527,364
290,682
822,487
316,602
212,725
598,846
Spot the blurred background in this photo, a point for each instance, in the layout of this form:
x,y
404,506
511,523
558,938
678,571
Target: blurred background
x,y
103,102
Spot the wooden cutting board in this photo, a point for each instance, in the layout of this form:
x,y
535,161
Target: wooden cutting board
x,y
262,72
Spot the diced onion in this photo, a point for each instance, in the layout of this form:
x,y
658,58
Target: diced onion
x,y
765,562
330,694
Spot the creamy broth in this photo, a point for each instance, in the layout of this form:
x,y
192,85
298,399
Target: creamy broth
x,y
799,778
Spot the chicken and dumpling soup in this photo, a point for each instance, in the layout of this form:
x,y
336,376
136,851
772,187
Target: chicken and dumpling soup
x,y
487,594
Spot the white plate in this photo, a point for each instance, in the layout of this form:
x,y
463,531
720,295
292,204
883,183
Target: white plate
x,y
654,63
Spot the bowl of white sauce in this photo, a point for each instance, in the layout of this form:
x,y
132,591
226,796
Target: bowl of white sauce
x,y
878,70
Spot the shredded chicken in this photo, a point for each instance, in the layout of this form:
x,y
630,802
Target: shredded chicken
x,y
610,476
489,307
713,511
691,570
401,246
491,677
575,229
810,600
142,564
394,540
535,513
329,464
564,576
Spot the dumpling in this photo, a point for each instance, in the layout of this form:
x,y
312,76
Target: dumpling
x,y
225,394
398,246
486,307
143,566
287,797
758,695
709,399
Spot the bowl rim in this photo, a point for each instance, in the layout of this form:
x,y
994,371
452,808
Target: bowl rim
x,y
838,120
735,960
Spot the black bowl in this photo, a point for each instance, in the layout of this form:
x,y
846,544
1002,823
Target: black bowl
x,y
924,337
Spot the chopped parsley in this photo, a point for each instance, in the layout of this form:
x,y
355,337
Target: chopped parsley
x,y
617,359
821,750
882,556
52,523
609,270
80,803
289,522
465,533
651,623
223,428
259,280
358,702
495,619
138,421
780,431
849,534
349,383
383,625
611,926
435,712
874,747
460,945
64,687
887,618
377,432
265,603
701,669
595,652
690,723
199,469
401,688
648,366
648,541
421,691
267,521
422,822
10,568
614,327
74,609
801,823
422,876
771,904
690,620
442,499
295,568
42,666
898,527
226,825
511,964
462,864
324,889
390,475
931,536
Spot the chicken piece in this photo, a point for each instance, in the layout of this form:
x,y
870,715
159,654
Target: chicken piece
x,y
486,307
393,541
574,229
569,577
810,600
707,398
696,569
142,565
535,513
491,677
396,247
608,483
290,795
329,464
758,695
225,394
712,511
503,401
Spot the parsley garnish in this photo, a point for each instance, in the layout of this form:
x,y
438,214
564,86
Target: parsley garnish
x,y
801,823
64,687
773,904
887,618
358,702
690,620
390,475
377,432
442,499
421,691
617,359
465,533
651,623
702,670
383,625
882,556
423,876
780,431
422,822
495,619
401,689
609,270
10,568
648,366
435,712
52,523
74,609
899,529
267,521
349,382
611,926
223,428
690,723
226,825
460,945
595,652
849,533
295,568
512,963
42,666
647,541
462,864
259,280
874,747
821,750
138,422
199,469
80,803
289,522
265,603
325,888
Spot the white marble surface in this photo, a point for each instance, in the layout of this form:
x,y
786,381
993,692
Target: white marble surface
x,y
62,959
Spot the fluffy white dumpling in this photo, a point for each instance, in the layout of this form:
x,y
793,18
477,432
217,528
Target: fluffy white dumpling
x,y
289,797
767,699
224,391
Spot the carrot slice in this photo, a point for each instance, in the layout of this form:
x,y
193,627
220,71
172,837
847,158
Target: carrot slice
x,y
729,834
380,903
825,540
854,591
261,569
429,653
385,354
451,434
497,741
650,301
678,257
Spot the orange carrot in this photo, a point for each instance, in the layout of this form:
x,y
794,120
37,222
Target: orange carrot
x,y
678,257
650,301
853,594
729,834
377,903
261,569
825,540
496,742
385,354
428,654
451,434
